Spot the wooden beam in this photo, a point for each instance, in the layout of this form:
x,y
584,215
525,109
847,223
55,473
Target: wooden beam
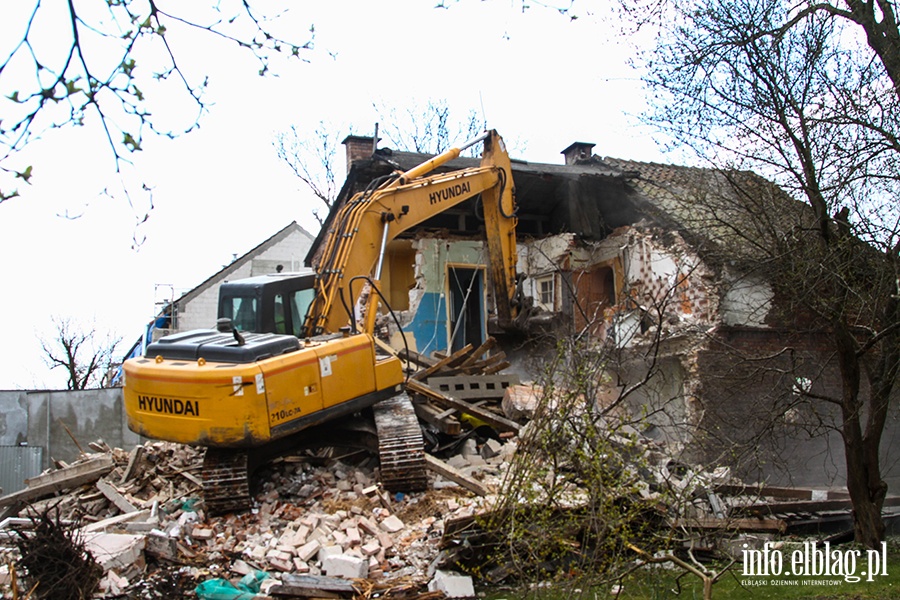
x,y
411,356
497,368
447,360
313,586
444,421
134,461
744,525
473,358
779,492
806,506
493,419
63,479
445,470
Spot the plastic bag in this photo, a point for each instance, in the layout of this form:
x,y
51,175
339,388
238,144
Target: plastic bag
x,y
222,589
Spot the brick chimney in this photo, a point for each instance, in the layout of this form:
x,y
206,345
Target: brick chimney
x,y
358,147
577,152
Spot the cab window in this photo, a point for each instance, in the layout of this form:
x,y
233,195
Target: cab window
x,y
243,312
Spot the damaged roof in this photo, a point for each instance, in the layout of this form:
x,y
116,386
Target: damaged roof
x,y
590,199
737,212
593,196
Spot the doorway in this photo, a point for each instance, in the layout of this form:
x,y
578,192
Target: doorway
x,y
467,315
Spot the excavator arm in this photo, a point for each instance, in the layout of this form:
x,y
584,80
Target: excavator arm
x,y
363,227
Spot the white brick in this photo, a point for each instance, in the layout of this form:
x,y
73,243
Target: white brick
x,y
453,585
326,551
343,565
392,524
371,549
308,550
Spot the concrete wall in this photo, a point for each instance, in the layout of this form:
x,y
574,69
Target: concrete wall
x,y
38,419
13,418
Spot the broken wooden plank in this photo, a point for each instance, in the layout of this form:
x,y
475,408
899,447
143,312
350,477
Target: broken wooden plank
x,y
444,421
466,387
192,478
134,462
497,368
104,524
492,419
411,356
742,525
115,497
445,470
313,586
478,352
73,476
801,506
444,362
780,492
490,362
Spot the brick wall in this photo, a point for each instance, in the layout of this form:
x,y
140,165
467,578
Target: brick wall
x,y
754,419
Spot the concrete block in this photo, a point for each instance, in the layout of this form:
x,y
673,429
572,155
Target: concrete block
x,y
453,585
343,565
520,401
326,551
115,550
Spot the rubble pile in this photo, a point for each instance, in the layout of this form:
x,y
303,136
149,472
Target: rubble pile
x,y
322,526
311,519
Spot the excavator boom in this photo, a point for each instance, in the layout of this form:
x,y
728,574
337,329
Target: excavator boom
x,y
356,243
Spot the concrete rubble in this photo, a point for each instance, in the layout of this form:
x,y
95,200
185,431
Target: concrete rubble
x,y
319,521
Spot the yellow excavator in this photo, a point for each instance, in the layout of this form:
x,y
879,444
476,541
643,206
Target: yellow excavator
x,y
255,387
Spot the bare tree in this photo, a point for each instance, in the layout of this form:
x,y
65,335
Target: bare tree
x,y
85,355
429,128
99,64
797,95
313,161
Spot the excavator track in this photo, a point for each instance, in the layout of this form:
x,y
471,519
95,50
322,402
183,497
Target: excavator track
x,y
226,481
401,449
401,452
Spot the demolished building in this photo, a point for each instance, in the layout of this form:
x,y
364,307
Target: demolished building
x,y
655,262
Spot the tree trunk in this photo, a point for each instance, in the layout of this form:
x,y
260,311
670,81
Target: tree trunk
x,y
864,483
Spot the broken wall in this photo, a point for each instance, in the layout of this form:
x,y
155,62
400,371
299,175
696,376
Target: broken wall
x,y
757,419
426,321
56,419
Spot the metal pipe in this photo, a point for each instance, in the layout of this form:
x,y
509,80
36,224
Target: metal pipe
x,y
381,252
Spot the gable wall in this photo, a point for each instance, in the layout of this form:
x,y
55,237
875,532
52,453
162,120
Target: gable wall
x,y
200,311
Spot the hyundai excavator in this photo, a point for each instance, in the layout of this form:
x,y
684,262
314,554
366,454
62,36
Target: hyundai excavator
x,y
250,395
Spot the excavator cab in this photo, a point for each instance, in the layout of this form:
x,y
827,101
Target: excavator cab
x,y
275,303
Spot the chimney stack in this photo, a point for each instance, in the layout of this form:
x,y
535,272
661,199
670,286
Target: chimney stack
x,y
577,152
358,147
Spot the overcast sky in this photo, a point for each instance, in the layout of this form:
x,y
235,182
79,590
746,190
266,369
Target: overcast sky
x,y
541,80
